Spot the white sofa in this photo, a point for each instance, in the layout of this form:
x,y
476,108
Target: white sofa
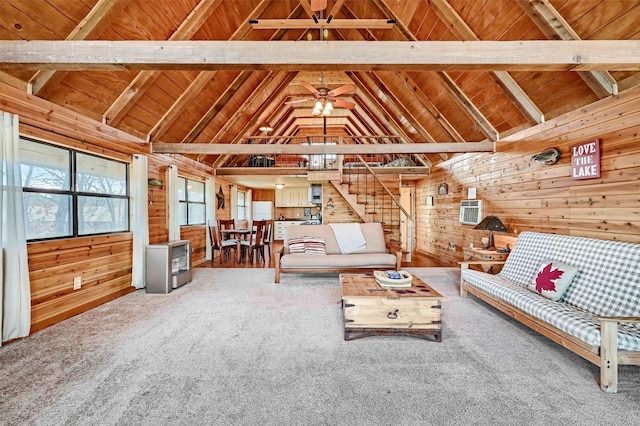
x,y
375,255
597,316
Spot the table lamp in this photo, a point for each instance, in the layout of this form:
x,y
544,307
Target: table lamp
x,y
491,223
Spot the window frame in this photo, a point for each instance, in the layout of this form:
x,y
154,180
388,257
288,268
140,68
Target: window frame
x,y
74,194
242,207
187,203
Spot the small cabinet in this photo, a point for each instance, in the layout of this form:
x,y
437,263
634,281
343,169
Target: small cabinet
x,y
168,266
292,197
279,228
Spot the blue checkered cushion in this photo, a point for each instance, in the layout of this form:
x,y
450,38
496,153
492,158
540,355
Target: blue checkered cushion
x,y
563,316
608,278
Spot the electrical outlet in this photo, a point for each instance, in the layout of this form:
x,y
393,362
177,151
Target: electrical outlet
x,y
452,246
77,283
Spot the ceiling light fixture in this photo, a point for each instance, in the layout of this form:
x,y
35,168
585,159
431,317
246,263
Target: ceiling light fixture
x,y
322,109
279,185
266,127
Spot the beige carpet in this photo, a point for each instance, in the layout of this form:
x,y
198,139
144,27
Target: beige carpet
x,y
232,347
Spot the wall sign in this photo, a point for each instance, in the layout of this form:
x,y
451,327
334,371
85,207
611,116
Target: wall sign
x,y
585,160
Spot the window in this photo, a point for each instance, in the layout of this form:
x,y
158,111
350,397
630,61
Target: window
x,y
192,205
242,205
72,194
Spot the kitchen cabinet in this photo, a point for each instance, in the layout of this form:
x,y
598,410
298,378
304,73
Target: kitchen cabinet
x,y
292,197
279,226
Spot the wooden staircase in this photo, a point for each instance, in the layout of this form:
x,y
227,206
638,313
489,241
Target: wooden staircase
x,y
375,198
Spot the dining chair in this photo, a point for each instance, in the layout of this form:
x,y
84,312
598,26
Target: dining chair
x,y
253,246
225,225
241,224
224,247
268,237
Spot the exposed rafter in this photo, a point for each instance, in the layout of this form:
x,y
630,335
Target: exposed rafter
x,y
303,24
145,79
554,26
521,55
380,148
98,18
447,82
512,89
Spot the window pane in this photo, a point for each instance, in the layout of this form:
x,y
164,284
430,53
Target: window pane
x,y
100,176
47,215
102,214
44,166
196,191
241,198
183,214
242,213
182,185
196,214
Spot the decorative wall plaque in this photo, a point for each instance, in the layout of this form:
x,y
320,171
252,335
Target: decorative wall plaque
x,y
585,160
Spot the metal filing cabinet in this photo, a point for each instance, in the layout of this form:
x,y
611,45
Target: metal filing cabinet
x,y
168,266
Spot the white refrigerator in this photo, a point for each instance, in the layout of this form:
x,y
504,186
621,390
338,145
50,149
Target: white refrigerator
x,y
262,210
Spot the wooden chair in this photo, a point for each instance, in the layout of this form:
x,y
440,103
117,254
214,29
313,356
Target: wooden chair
x,y
225,224
253,246
224,247
241,224
268,237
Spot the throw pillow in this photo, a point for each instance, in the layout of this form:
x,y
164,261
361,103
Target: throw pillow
x,y
552,279
296,246
314,245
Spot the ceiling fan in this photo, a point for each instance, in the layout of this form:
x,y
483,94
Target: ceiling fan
x,y
326,99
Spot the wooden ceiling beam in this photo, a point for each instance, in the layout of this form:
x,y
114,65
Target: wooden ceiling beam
x,y
311,24
282,79
393,119
520,55
554,26
401,113
431,108
141,82
225,149
98,18
448,84
512,89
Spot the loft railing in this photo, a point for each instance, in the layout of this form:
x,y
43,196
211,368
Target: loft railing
x,y
321,161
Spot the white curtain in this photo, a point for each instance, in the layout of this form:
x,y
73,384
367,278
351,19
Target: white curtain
x,y
210,210
173,206
140,220
248,205
233,199
15,297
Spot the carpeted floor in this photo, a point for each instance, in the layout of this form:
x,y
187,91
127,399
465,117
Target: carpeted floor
x,y
232,347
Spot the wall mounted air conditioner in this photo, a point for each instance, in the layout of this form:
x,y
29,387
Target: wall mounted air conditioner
x,y
470,212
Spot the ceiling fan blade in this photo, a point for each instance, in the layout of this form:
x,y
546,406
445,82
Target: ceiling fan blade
x,y
343,104
297,101
318,5
310,88
340,90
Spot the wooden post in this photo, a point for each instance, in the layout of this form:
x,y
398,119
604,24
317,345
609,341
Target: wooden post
x,y
609,355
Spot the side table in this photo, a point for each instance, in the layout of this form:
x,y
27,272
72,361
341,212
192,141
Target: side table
x,y
486,255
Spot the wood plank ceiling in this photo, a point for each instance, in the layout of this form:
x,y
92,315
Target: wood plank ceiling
x,y
229,106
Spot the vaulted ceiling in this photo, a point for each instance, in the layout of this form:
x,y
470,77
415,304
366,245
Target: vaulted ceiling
x,y
228,105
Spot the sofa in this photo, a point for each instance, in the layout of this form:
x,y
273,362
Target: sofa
x,y
314,248
582,293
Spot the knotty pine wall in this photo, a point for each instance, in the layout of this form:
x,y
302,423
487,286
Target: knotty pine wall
x,y
528,196
103,262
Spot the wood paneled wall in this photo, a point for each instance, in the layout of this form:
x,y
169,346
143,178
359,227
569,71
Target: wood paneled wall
x,y
103,262
528,196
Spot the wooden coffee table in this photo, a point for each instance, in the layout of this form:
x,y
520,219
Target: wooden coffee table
x,y
372,310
